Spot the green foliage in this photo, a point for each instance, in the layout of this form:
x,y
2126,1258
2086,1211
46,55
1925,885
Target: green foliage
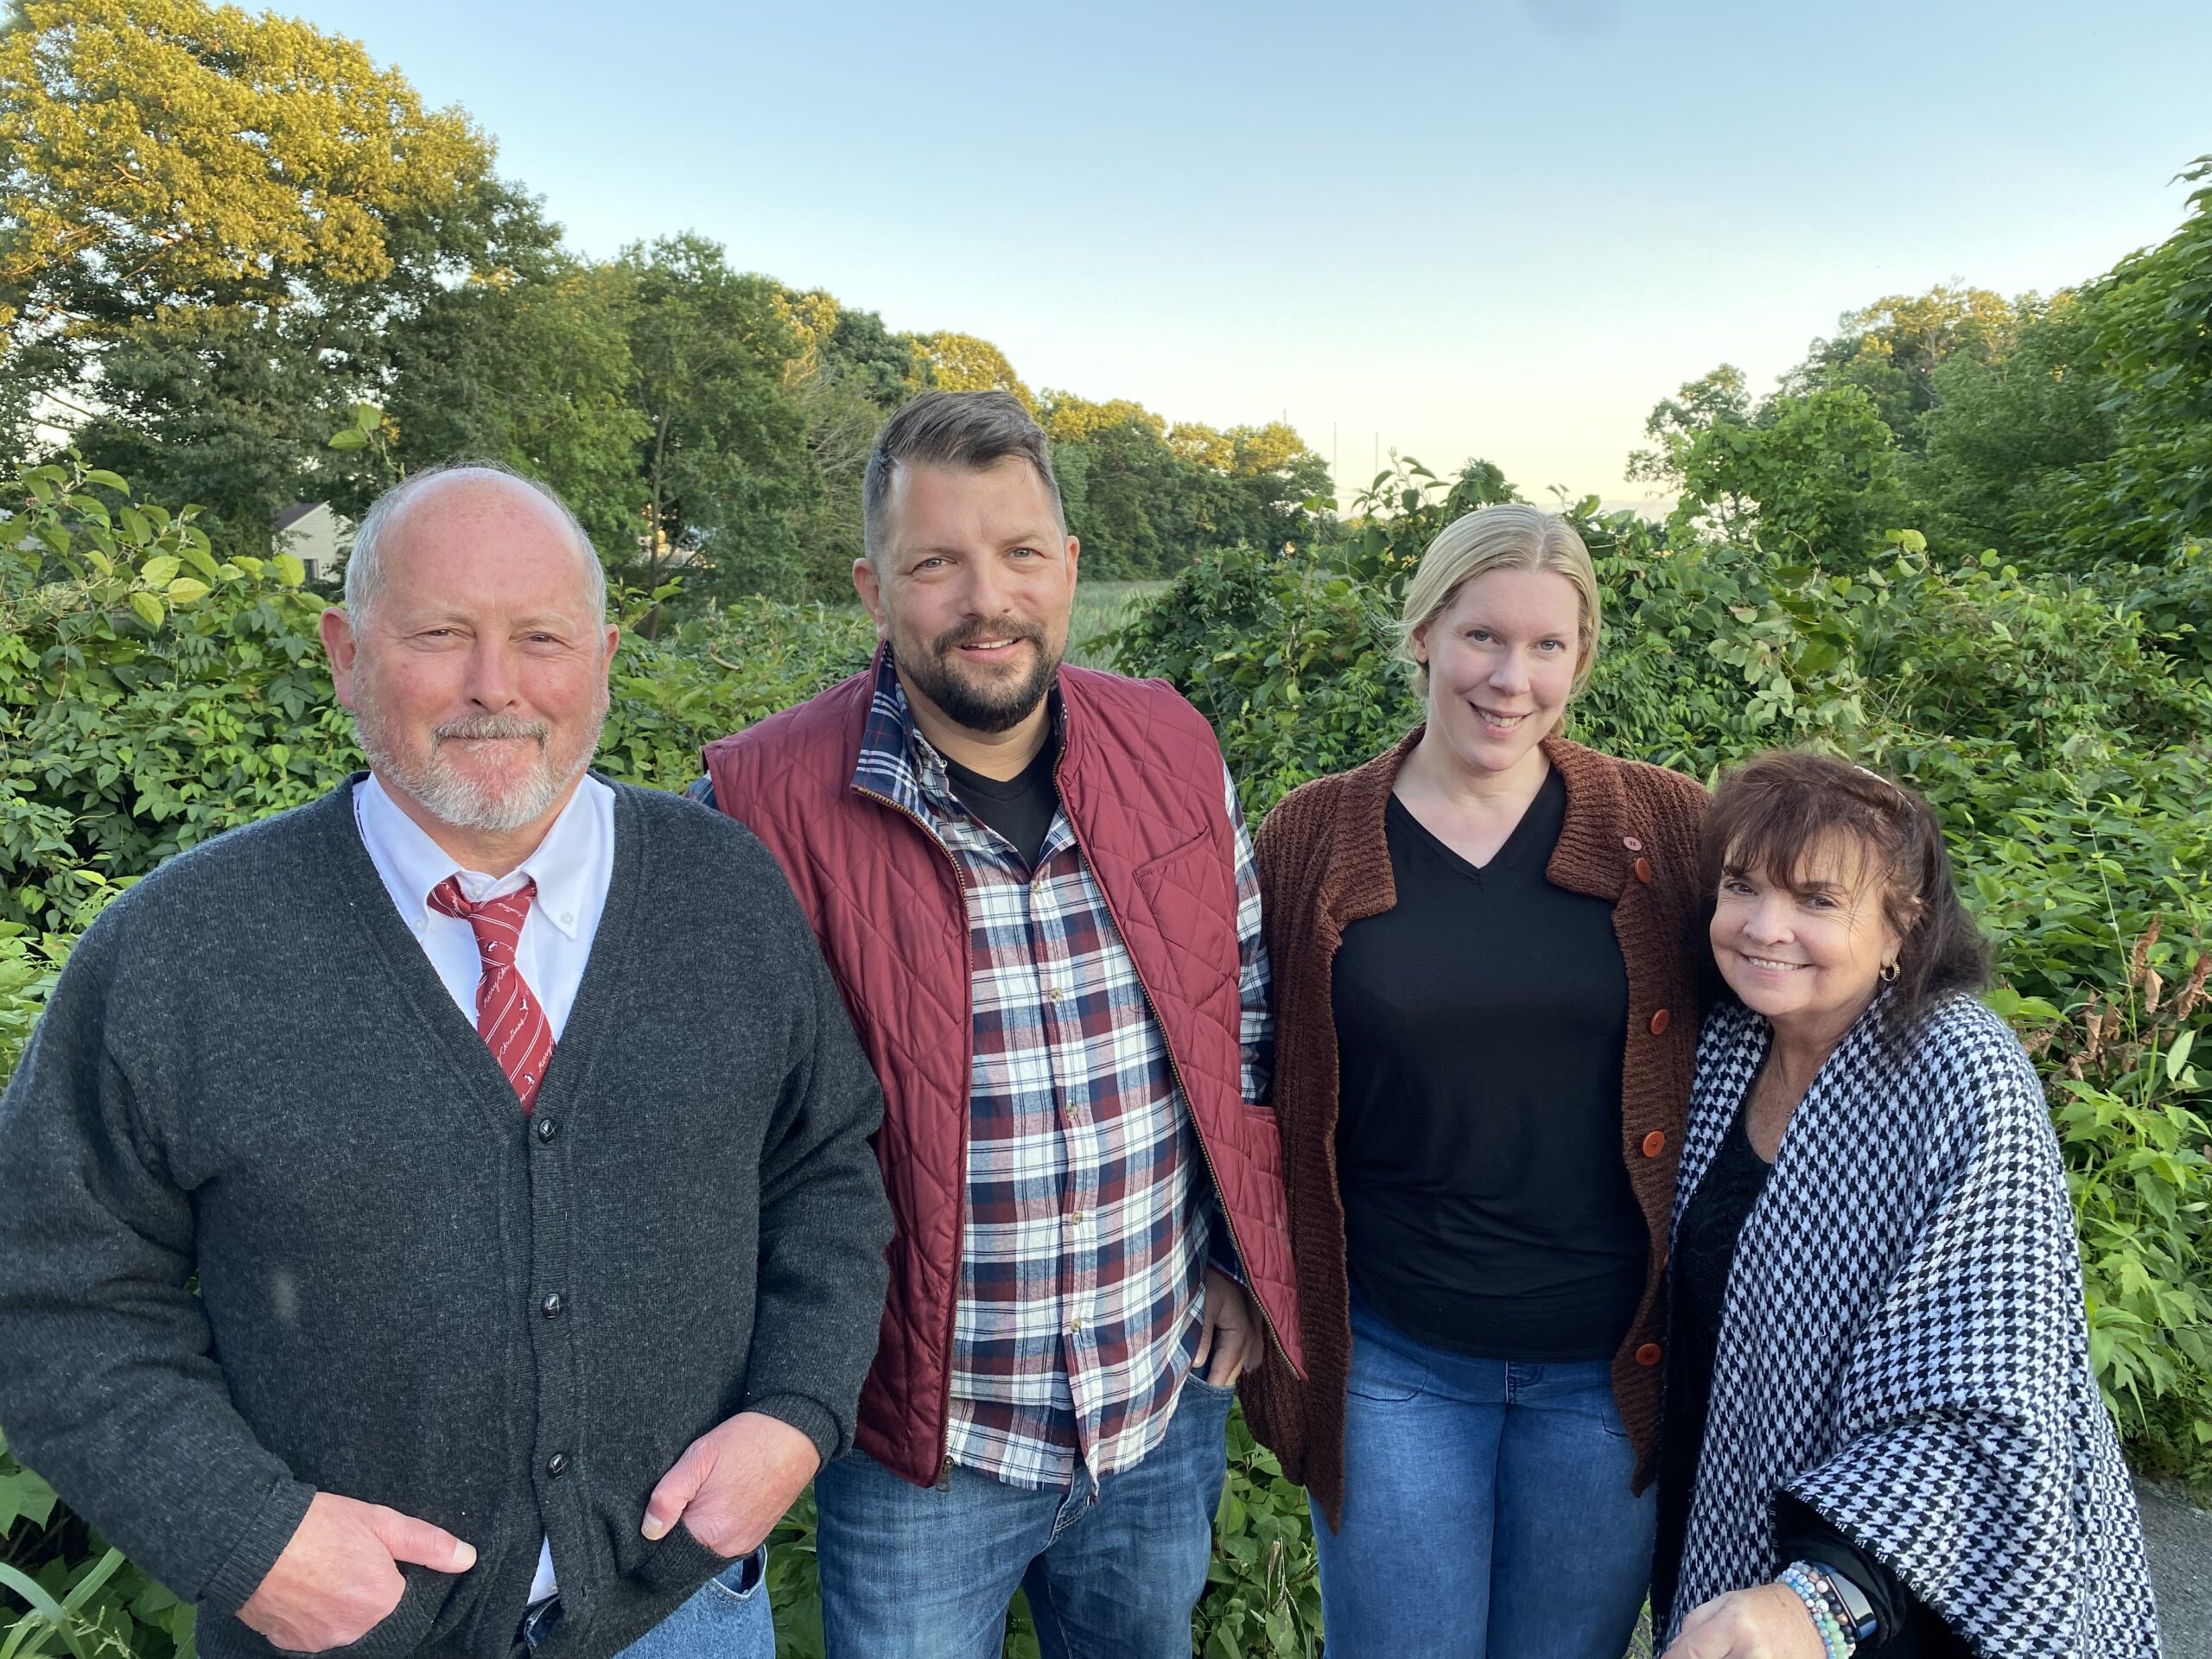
x,y
1143,497
2006,433
1263,1588
150,694
2154,490
1811,476
80,1597
1293,657
1894,349
2130,1106
718,671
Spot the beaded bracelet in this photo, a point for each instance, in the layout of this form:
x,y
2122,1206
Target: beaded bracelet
x,y
1810,1586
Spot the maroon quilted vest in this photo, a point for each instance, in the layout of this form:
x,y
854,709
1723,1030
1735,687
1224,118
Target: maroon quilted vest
x,y
1141,780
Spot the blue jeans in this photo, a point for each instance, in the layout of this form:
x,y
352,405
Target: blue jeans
x,y
727,1617
1112,1572
1486,1509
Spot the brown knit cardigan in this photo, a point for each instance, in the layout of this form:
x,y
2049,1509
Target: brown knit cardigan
x,y
1630,836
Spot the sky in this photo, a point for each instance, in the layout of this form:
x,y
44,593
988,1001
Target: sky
x,y
1503,230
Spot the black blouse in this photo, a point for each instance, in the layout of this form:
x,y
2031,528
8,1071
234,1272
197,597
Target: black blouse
x,y
1705,1251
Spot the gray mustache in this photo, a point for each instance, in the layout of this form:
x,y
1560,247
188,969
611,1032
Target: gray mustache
x,y
489,726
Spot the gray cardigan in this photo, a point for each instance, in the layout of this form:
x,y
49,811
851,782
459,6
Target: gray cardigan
x,y
409,1293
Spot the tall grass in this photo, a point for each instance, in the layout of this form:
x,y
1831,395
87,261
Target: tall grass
x,y
1100,607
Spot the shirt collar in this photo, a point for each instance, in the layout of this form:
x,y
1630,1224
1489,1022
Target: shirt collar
x,y
896,760
412,864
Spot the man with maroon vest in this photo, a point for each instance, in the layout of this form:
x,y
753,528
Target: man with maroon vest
x,y
1033,885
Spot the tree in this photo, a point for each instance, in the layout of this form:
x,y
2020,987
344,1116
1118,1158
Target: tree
x,y
1721,398
530,366
210,223
2153,493
1816,477
722,464
964,363
2008,434
1891,349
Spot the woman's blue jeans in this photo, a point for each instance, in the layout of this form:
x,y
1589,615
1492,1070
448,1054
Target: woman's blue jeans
x,y
1487,1509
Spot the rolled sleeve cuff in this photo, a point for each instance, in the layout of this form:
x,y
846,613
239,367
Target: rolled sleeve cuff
x,y
262,1539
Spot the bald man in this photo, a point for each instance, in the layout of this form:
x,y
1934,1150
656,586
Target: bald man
x,y
517,1138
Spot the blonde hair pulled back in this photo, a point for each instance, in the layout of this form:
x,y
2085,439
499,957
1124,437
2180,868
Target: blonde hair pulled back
x,y
1509,536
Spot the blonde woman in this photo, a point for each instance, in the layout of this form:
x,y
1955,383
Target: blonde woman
x,y
1485,1001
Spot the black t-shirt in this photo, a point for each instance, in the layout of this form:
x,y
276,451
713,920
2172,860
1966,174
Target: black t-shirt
x,y
1480,1029
1020,808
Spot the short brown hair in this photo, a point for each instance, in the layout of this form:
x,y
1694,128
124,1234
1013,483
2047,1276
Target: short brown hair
x,y
963,430
1769,815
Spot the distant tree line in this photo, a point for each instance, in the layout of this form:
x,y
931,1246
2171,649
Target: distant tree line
x,y
222,234
2072,433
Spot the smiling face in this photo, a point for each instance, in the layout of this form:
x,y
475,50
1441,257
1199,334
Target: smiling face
x,y
1807,953
478,676
1502,658
973,590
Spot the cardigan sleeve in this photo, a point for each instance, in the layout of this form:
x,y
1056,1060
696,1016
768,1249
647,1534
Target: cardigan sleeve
x,y
824,1221
108,1384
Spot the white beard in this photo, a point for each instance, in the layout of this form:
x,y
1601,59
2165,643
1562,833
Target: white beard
x,y
458,798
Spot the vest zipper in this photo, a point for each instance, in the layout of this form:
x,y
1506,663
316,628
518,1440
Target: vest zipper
x,y
967,959
1167,1048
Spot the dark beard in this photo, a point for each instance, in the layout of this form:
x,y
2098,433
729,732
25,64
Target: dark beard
x,y
991,709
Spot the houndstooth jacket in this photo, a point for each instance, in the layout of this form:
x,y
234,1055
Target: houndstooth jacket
x,y
1903,1345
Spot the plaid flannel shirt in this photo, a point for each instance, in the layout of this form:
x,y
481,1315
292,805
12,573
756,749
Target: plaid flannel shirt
x,y
1090,1208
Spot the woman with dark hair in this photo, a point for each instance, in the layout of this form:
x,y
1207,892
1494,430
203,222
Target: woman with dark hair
x,y
1882,1433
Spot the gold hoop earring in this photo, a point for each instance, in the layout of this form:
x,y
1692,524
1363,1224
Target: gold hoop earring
x,y
1889,971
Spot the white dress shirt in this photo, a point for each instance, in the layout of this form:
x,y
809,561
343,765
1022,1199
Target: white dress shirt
x,y
572,867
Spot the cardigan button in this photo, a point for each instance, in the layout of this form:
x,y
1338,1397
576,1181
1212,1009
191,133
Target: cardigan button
x,y
557,1464
1660,1021
547,1128
1644,871
1648,1355
1632,844
1654,1144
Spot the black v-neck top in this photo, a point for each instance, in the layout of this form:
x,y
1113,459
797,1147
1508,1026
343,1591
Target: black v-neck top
x,y
1480,1030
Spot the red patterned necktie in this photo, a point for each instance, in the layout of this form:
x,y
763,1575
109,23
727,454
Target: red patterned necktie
x,y
508,1015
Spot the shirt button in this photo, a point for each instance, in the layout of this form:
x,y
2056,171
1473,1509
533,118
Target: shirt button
x,y
1076,1218
557,1464
546,1128
1648,1355
1075,1327
1654,1144
1660,1021
551,1307
1055,993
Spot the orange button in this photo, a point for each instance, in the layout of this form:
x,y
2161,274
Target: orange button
x,y
1654,1144
1660,1021
1648,1355
1643,870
